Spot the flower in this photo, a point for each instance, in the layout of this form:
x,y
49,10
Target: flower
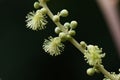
x,y
93,55
36,20
53,46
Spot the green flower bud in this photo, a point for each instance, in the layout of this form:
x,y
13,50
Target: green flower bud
x,y
72,32
63,36
73,24
91,71
57,30
83,44
36,5
67,25
64,13
68,37
56,18
43,10
97,71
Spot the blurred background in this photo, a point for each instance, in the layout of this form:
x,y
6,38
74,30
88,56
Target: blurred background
x,y
21,53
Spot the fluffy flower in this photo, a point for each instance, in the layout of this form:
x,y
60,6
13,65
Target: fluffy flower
x,y
93,55
36,20
53,46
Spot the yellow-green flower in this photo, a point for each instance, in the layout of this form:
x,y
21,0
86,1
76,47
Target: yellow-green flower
x,y
53,46
36,20
93,55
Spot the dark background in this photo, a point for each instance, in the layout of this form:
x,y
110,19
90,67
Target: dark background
x,y
21,53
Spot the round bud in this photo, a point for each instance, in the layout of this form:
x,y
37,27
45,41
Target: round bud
x,y
56,18
63,37
72,32
36,5
38,11
83,44
64,13
67,25
97,71
57,30
73,24
90,71
68,37
43,10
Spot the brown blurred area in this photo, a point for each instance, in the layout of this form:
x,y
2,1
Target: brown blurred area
x,y
111,12
119,6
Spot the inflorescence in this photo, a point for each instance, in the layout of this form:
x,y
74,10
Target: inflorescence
x,y
36,20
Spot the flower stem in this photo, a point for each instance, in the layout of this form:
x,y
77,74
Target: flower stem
x,y
72,40
75,43
105,72
50,14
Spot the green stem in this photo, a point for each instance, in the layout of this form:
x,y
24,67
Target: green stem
x,y
105,72
72,40
50,14
77,45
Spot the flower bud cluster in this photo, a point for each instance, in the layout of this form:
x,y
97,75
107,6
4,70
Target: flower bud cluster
x,y
54,46
62,13
69,30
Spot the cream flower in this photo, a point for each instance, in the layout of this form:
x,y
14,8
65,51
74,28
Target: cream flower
x,y
93,55
36,20
53,46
